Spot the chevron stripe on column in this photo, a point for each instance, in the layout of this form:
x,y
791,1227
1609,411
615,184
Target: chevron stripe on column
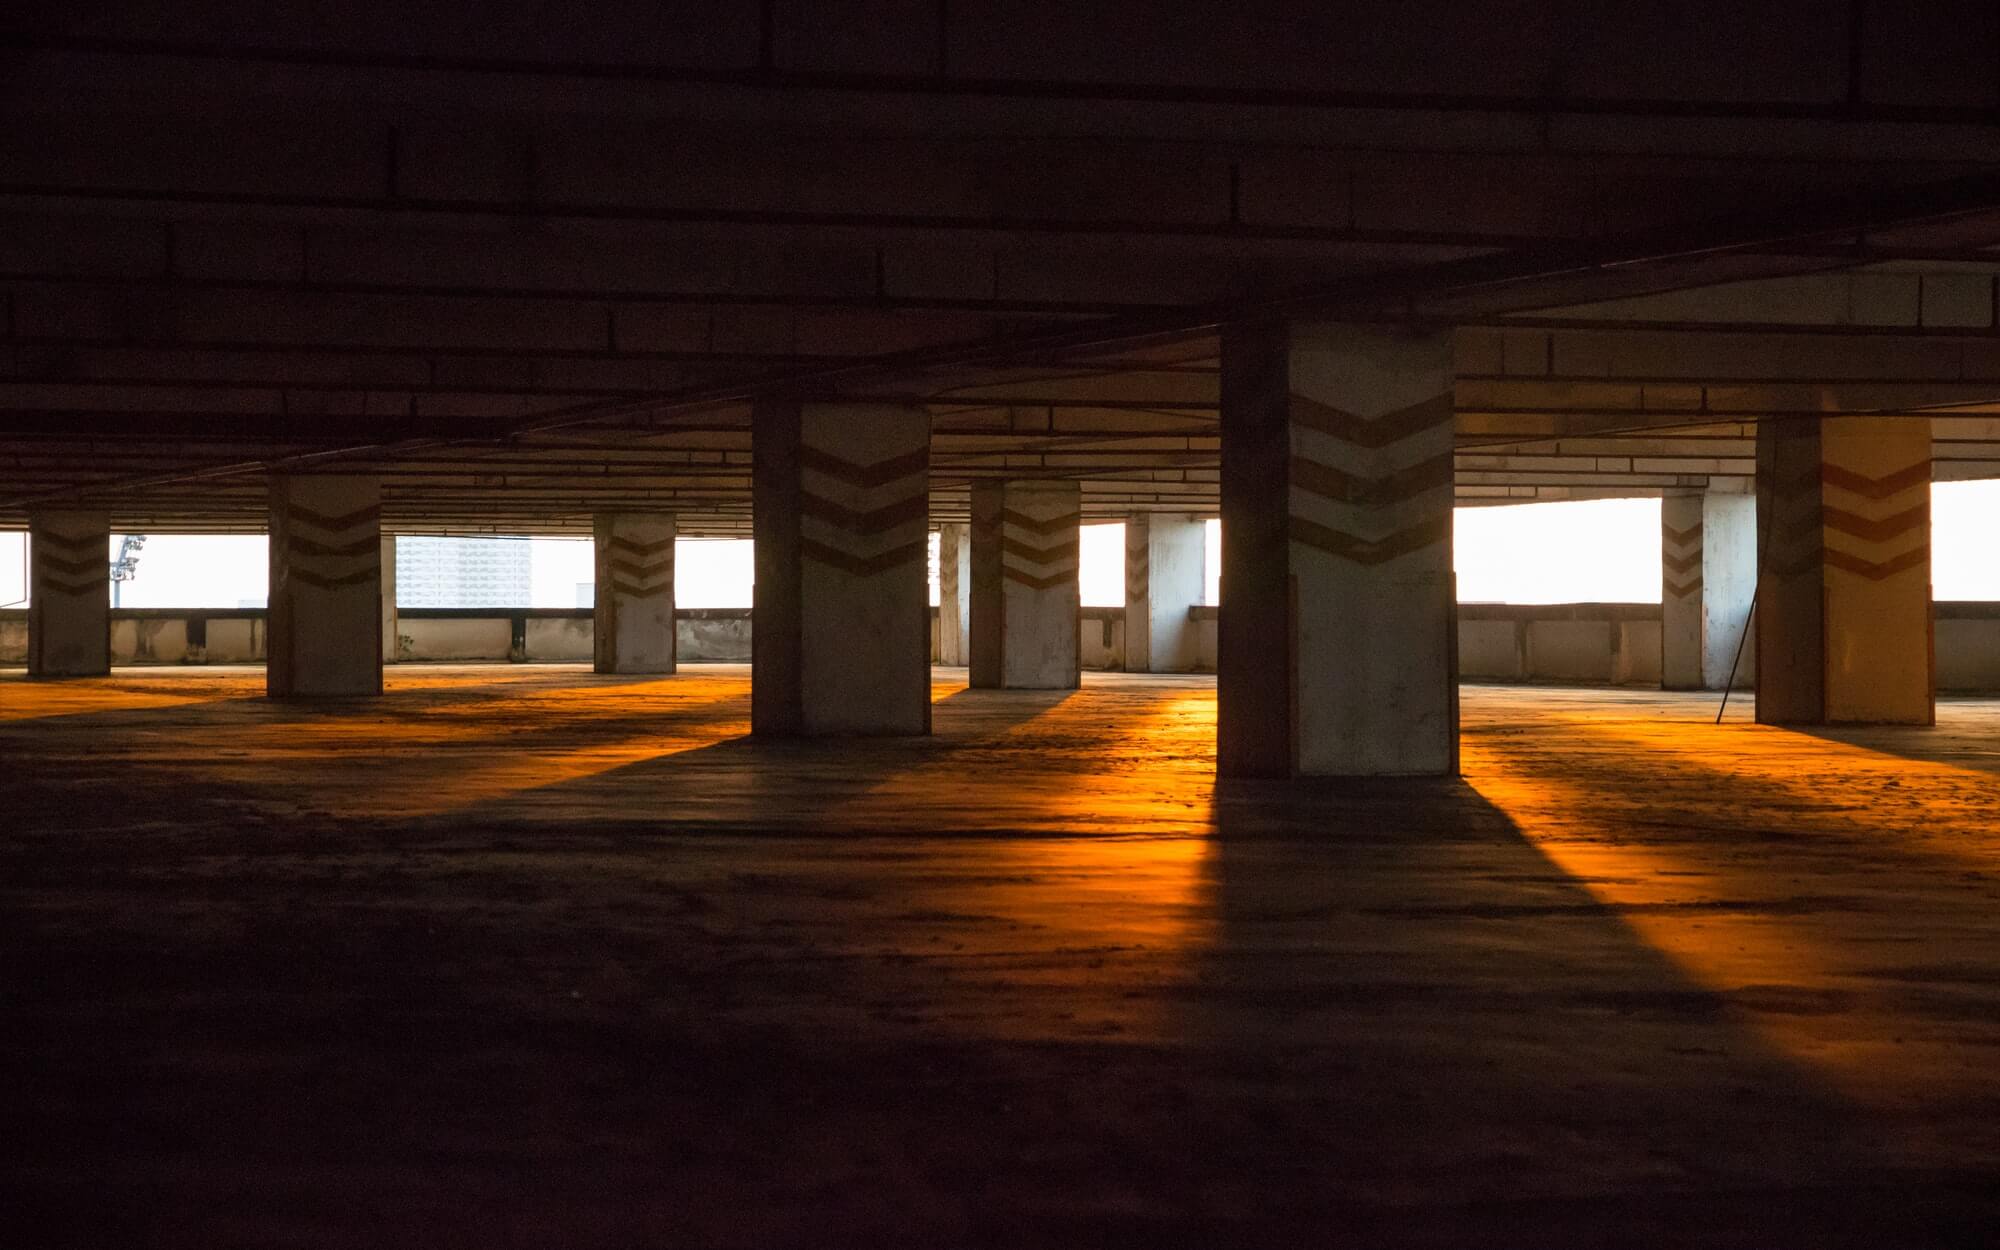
x,y
1680,592
1138,593
1366,490
1844,617
859,517
954,591
325,620
633,616
1025,558
1680,559
841,630
69,595
1350,566
1875,507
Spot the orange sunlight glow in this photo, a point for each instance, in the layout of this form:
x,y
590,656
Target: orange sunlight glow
x,y
1748,926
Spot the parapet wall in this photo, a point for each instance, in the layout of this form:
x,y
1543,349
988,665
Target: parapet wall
x,y
1590,643
533,635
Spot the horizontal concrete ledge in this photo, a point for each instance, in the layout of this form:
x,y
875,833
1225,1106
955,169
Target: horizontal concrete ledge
x,y
1965,610
414,614
1592,643
1944,609
1558,611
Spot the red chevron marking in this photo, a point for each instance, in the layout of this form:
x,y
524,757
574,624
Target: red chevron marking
x,y
372,514
1032,582
75,568
67,587
1371,432
641,572
299,545
1041,555
1874,570
1037,525
863,566
322,582
881,473
638,550
1406,483
1875,530
1867,487
869,523
1369,551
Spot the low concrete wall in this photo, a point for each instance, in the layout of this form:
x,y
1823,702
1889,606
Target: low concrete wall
x,y
1967,638
1597,643
534,635
14,639
1100,635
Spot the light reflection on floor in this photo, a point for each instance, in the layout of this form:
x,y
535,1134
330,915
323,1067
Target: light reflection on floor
x,y
1815,883
1632,954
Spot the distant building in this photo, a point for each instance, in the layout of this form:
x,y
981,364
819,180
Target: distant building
x,y
463,573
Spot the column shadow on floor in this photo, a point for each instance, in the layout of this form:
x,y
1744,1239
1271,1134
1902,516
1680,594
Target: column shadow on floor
x,y
1439,1037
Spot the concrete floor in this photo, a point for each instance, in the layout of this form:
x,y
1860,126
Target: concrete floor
x,y
527,957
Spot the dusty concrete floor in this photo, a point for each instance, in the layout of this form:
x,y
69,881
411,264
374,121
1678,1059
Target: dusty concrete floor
x,y
526,957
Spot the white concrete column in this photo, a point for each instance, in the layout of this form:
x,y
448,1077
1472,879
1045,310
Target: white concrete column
x,y
840,616
1138,593
1708,572
954,592
1728,588
325,618
392,625
632,622
1337,648
1843,600
69,594
1165,566
1025,595
1681,617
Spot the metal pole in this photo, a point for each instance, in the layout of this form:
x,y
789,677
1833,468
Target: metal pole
x,y
1740,640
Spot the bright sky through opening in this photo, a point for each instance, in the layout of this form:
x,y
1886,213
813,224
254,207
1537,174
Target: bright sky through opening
x,y
1599,551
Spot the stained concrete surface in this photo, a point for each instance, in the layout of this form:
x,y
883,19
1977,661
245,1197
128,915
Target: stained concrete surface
x,y
526,956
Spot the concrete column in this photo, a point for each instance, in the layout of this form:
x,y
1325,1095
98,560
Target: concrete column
x,y
1681,618
633,618
954,592
1728,588
1844,587
1165,563
1337,653
392,625
325,619
1025,594
840,616
69,594
1708,571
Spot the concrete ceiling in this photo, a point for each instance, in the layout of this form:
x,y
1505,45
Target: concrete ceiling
x,y
528,268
